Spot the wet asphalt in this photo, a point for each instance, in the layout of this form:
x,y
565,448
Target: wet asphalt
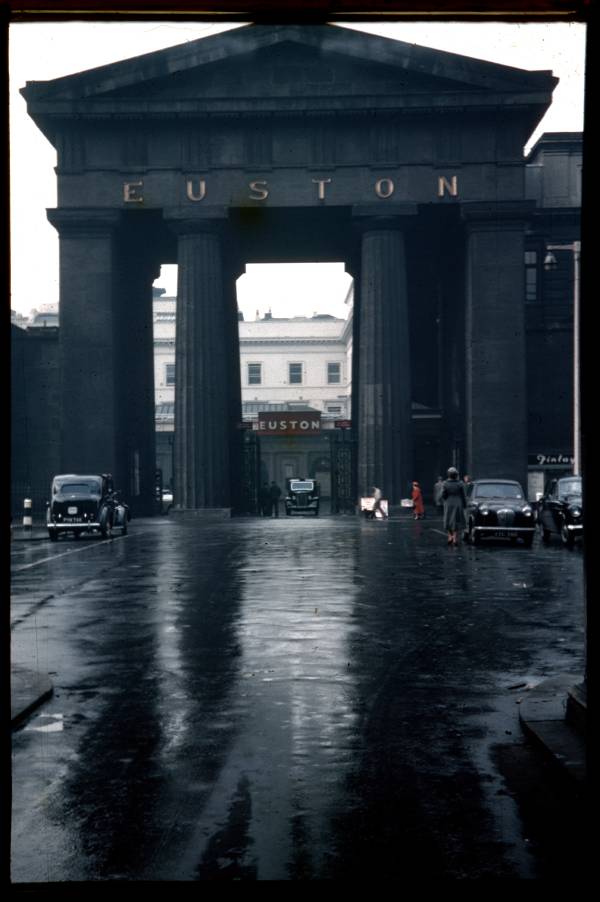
x,y
287,699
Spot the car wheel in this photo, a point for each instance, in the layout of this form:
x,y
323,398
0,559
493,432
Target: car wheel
x,y
76,534
53,534
105,524
528,541
567,537
124,527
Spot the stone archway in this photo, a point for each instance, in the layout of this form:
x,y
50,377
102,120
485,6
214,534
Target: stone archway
x,y
271,141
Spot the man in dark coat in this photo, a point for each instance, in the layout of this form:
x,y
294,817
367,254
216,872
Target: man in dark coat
x,y
264,500
275,495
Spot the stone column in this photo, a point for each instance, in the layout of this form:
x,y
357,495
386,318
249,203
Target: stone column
x,y
384,385
88,380
135,374
495,358
232,272
202,360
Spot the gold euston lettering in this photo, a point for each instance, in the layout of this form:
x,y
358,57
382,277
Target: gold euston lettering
x,y
380,191
321,183
260,193
130,195
190,190
451,186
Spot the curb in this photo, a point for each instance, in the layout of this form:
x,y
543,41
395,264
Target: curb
x,y
543,717
28,690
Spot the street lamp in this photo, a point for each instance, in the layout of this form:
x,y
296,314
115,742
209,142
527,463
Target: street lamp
x,y
550,264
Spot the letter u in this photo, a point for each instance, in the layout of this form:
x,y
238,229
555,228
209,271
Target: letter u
x,y
190,190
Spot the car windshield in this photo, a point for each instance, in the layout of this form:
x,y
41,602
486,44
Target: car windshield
x,y
498,490
90,487
569,487
301,485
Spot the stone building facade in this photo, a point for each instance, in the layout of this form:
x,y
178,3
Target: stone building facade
x,y
298,143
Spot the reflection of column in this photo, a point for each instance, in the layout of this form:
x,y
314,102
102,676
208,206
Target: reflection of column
x,y
384,403
202,358
496,400
87,341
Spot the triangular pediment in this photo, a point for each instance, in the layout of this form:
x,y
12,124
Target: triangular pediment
x,y
288,61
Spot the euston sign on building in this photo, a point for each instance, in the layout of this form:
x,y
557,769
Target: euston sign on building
x,y
291,422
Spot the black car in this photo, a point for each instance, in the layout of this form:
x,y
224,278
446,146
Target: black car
x,y
302,497
85,504
560,510
498,508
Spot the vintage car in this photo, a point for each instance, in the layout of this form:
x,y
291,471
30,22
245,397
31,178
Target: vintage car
x,y
560,510
498,508
166,501
85,504
302,497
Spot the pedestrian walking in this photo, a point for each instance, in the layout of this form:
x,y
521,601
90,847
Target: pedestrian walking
x,y
275,495
455,500
417,497
438,488
377,505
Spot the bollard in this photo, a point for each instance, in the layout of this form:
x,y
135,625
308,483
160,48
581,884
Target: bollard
x,y
27,518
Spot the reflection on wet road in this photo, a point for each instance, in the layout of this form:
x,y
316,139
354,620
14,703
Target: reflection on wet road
x,y
281,700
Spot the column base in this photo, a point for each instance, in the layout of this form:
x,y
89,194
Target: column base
x,y
202,513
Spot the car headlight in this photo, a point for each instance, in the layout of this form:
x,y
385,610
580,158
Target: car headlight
x,y
527,511
483,510
576,512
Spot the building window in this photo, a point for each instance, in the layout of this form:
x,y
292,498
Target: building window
x,y
170,374
531,276
295,373
254,373
334,411
334,373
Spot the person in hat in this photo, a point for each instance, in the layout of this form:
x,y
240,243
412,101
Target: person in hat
x,y
455,500
417,497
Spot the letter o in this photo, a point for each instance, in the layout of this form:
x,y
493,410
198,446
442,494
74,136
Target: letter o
x,y
384,188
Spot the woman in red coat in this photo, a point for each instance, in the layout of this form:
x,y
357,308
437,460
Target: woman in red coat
x,y
417,497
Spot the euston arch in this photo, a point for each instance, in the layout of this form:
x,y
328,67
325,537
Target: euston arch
x,y
294,143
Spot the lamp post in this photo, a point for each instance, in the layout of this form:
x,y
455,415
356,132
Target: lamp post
x,y
550,264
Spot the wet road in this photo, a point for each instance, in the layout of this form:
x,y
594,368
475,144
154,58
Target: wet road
x,y
287,699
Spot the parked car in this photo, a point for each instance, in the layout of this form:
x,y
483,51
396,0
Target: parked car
x,y
166,501
560,510
498,508
85,504
302,497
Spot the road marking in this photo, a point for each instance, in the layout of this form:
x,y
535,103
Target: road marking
x,y
55,725
439,531
55,557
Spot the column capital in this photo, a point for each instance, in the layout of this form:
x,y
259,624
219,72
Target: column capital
x,y
374,217
208,220
489,214
84,222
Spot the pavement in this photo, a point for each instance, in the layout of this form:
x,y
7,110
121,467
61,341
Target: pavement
x,y
552,714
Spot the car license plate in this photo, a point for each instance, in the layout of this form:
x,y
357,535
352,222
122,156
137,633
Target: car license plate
x,y
502,533
71,510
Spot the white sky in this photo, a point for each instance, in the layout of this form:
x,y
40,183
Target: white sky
x,y
42,51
